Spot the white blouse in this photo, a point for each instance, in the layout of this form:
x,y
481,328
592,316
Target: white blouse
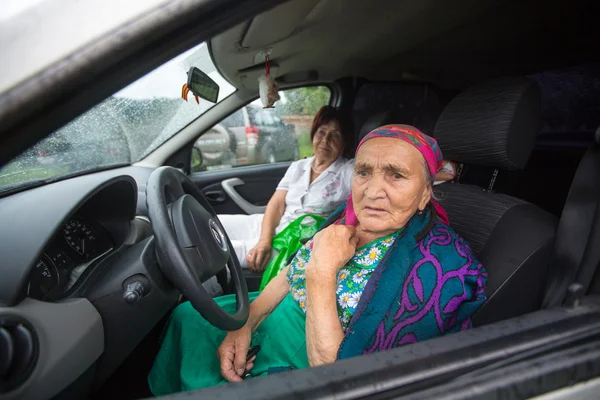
x,y
322,196
446,167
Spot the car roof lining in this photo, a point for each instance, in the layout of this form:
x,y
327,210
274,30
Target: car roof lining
x,y
453,44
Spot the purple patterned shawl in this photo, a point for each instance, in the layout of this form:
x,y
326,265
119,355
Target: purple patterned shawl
x,y
420,290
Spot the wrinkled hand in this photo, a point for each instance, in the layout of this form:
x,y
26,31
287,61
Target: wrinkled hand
x,y
258,256
332,248
232,354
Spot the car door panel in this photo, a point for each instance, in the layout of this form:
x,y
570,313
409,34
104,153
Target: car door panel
x,y
229,186
259,184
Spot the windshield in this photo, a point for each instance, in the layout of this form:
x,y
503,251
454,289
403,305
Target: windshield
x,y
122,129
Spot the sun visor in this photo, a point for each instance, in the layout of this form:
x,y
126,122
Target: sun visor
x,y
276,24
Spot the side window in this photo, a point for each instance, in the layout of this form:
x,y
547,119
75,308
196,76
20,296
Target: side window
x,y
570,104
254,135
235,119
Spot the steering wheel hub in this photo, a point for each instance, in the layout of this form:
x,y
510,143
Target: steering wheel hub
x,y
218,234
200,236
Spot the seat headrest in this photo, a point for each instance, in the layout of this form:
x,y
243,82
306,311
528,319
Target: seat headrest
x,y
374,121
492,124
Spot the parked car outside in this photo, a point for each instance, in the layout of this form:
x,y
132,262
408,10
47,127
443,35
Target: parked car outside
x,y
251,135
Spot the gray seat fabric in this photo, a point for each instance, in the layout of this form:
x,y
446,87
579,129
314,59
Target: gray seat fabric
x,y
375,121
463,201
494,125
422,117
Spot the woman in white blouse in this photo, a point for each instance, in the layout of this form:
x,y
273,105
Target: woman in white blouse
x,y
315,185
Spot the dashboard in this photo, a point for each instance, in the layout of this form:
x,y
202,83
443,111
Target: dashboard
x,y
70,250
54,235
79,243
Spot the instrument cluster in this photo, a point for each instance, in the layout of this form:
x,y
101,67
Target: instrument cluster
x,y
78,244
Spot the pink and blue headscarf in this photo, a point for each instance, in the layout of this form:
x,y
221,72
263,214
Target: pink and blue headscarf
x,y
426,145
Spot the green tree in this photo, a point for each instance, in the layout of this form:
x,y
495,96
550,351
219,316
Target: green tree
x,y
305,101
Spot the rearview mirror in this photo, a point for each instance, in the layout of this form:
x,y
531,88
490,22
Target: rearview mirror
x,y
202,85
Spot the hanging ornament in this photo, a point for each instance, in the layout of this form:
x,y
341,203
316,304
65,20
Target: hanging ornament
x,y
267,87
184,93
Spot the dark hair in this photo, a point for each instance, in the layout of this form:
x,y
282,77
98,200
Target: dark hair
x,y
327,114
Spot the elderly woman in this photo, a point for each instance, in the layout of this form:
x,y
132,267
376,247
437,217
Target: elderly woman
x,y
316,185
385,272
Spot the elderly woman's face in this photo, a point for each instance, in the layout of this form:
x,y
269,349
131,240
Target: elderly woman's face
x,y
328,143
389,185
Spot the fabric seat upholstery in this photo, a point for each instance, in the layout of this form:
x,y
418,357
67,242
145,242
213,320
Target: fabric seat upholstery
x,y
494,125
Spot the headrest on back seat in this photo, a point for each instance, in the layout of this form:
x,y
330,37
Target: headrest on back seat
x,y
492,124
373,122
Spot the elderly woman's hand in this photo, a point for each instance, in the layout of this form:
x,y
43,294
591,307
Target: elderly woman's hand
x,y
332,248
232,354
259,256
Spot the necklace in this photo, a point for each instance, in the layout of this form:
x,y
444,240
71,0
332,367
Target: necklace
x,y
315,171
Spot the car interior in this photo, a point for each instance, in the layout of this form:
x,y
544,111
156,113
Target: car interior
x,y
509,89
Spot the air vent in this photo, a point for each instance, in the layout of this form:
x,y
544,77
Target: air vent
x,y
18,352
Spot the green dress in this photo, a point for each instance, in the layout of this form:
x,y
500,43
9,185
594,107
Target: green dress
x,y
187,359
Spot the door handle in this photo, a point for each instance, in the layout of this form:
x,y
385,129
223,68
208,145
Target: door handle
x,y
215,196
229,187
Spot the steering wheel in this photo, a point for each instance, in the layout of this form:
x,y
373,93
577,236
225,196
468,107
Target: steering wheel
x,y
192,246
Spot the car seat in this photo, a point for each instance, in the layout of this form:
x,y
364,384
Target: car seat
x,y
494,124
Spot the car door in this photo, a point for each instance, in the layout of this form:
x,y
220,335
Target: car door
x,y
244,190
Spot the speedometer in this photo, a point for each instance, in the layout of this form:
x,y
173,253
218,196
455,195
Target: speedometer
x,y
80,237
44,279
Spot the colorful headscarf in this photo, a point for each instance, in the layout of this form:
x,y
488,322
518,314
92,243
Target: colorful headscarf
x,y
426,145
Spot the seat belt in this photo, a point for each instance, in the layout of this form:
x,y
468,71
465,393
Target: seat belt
x,y
576,251
490,187
591,256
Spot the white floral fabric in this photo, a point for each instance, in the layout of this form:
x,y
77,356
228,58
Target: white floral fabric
x,y
351,280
